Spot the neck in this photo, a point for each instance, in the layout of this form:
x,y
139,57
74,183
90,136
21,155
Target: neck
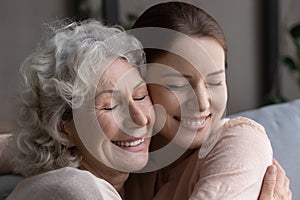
x,y
114,177
158,142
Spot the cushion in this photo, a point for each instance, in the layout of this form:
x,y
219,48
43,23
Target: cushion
x,y
282,124
7,184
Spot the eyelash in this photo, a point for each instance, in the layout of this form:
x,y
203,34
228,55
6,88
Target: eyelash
x,y
175,86
111,108
116,105
220,83
140,98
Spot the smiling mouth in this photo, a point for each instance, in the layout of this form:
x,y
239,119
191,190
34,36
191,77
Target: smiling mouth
x,y
193,122
129,144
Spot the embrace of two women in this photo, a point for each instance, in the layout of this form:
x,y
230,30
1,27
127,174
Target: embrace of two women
x,y
106,114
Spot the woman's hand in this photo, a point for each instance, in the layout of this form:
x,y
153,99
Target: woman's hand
x,y
276,185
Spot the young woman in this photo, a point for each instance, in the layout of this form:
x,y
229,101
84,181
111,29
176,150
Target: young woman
x,y
223,158
69,143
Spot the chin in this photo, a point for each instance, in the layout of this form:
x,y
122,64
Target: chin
x,y
185,143
196,144
190,139
132,163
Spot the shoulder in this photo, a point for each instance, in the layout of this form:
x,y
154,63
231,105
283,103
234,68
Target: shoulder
x,y
230,131
241,139
235,165
241,130
238,139
243,134
65,183
5,152
242,122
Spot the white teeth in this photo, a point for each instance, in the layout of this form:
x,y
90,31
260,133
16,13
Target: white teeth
x,y
193,123
129,144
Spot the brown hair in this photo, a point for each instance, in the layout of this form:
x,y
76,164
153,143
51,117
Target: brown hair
x,y
182,17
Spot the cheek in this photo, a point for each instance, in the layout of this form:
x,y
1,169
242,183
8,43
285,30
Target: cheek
x,y
108,124
164,97
146,105
155,92
147,109
219,99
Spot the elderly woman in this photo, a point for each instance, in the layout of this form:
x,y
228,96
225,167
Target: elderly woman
x,y
81,131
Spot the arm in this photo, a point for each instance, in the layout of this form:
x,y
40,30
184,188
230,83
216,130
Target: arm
x,y
65,183
275,184
235,167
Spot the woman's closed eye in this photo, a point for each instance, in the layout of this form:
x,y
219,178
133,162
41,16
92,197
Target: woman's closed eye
x,y
106,104
108,108
216,79
216,83
114,106
176,86
140,98
140,93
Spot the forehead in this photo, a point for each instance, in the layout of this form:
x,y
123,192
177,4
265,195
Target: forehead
x,y
202,55
119,73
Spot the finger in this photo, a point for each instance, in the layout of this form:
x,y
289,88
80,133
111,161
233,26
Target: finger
x,y
278,166
282,190
290,195
287,182
269,183
280,179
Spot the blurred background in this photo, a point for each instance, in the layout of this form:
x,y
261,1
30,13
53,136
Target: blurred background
x,y
263,64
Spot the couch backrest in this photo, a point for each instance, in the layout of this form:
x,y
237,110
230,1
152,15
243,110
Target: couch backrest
x,y
282,124
5,126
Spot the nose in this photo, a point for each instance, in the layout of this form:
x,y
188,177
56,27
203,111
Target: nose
x,y
138,114
201,98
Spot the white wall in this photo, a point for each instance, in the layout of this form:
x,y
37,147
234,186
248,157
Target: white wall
x,y
21,28
241,24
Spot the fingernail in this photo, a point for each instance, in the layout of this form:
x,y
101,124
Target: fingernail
x,y
272,169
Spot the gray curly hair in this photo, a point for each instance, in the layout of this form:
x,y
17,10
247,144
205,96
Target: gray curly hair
x,y
68,52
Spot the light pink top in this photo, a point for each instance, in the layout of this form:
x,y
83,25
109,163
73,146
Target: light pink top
x,y
64,184
233,168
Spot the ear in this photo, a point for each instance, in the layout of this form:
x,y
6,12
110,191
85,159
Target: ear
x,y
67,130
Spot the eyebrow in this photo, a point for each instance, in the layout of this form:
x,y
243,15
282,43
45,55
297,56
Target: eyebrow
x,y
139,84
215,73
107,91
174,74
